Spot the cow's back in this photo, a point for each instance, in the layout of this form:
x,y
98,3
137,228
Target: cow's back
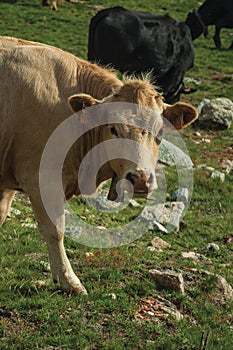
x,y
36,81
33,76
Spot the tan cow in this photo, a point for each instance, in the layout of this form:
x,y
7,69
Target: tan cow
x,y
38,87
54,3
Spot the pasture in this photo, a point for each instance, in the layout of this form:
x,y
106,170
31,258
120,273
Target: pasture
x,y
35,314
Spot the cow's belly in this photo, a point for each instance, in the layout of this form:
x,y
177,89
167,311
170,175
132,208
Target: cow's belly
x,y
9,182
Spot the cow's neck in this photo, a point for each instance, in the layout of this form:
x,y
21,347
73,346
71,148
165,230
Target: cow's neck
x,y
96,81
87,171
99,83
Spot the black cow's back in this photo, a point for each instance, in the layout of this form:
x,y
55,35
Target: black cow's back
x,y
137,42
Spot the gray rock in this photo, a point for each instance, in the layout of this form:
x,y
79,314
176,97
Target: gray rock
x,y
169,213
168,279
171,155
157,310
176,216
181,195
100,202
216,114
223,291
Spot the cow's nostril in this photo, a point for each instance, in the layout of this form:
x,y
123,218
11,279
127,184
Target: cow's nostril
x,y
150,179
130,178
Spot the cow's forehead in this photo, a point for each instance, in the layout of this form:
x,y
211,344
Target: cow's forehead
x,y
144,121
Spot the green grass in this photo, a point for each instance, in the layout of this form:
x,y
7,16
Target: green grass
x,y
34,313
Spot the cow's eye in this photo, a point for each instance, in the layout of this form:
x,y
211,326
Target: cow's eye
x,y
144,132
113,131
158,137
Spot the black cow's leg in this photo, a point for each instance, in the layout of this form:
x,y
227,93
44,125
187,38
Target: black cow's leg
x,y
217,40
6,198
224,22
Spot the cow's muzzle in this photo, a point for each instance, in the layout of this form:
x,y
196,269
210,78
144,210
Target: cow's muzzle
x,y
138,184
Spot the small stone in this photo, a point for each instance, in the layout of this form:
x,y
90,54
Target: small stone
x,y
197,133
181,195
218,175
201,166
210,168
159,243
213,246
168,279
227,165
39,283
15,212
113,296
45,266
133,203
27,224
194,256
152,249
89,254
176,216
101,227
150,313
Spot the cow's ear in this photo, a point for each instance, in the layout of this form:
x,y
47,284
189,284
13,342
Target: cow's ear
x,y
180,115
80,101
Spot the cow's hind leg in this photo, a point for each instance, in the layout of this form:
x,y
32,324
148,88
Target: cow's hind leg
x,y
6,198
223,22
61,269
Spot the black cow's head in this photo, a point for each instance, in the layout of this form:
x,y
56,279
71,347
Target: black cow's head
x,y
196,24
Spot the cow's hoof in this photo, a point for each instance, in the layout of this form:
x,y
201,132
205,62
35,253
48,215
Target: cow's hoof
x,y
80,290
74,288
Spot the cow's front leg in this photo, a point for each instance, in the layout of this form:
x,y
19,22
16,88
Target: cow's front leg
x,y
217,40
53,234
54,5
6,198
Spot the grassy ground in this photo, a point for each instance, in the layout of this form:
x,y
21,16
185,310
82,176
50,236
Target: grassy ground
x,y
34,313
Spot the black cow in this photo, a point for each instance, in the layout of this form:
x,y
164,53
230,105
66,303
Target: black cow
x,y
137,42
211,12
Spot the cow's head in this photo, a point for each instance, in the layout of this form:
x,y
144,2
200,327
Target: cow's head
x,y
196,24
136,168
